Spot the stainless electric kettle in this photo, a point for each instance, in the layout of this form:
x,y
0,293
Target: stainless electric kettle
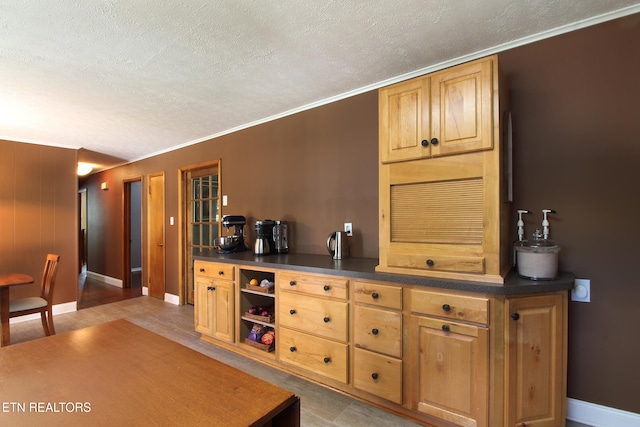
x,y
338,245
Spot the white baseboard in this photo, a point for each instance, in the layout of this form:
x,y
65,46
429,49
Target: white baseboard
x,y
170,298
173,299
105,279
600,416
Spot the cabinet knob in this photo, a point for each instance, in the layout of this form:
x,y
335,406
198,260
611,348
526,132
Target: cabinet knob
x,y
292,311
211,288
434,141
326,287
515,316
221,273
375,331
446,307
202,270
374,375
375,295
424,142
430,262
292,349
292,283
445,328
326,320
327,359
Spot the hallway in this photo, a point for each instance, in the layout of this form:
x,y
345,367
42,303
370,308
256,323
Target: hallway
x,y
93,292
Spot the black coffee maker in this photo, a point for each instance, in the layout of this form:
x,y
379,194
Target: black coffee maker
x,y
264,237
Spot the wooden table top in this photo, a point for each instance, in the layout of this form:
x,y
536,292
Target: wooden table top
x,y
10,279
118,373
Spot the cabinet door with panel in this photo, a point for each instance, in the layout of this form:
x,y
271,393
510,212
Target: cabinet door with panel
x,y
203,305
214,300
462,108
536,359
405,120
451,366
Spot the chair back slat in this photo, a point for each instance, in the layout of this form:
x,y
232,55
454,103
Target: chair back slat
x,y
49,276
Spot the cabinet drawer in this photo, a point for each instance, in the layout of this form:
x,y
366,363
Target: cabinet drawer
x,y
378,330
317,316
378,374
437,263
458,307
211,269
324,357
377,294
315,285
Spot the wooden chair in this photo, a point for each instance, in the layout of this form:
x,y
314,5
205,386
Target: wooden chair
x,y
42,304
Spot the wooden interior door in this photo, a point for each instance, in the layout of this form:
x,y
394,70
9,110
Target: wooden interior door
x,y
155,203
201,215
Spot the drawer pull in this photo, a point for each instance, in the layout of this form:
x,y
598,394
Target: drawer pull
x,y
374,375
515,316
221,273
292,349
326,319
446,307
445,328
430,262
375,295
292,311
327,359
211,288
375,331
326,287
292,283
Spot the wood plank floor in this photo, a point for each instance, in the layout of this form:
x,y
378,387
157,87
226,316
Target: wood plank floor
x,y
319,406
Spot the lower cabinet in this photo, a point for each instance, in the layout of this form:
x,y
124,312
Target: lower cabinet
x,y
536,379
214,308
451,370
438,356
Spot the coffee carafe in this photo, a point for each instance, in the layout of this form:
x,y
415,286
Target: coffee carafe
x,y
264,237
281,237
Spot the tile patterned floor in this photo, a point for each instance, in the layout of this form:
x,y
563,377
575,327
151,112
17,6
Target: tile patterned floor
x,y
319,406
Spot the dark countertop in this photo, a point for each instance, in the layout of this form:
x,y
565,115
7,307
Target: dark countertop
x,y
364,268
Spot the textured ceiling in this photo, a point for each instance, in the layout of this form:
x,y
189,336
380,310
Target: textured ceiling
x,y
132,78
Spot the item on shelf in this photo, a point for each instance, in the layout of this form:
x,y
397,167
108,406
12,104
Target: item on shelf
x,y
268,287
269,337
263,314
256,332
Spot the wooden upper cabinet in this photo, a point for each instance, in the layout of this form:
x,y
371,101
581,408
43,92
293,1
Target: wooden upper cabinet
x,y
405,113
444,113
461,108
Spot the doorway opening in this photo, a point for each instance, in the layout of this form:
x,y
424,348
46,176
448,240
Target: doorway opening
x,y
132,214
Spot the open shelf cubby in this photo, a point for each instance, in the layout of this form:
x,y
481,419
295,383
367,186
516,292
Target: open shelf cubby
x,y
256,297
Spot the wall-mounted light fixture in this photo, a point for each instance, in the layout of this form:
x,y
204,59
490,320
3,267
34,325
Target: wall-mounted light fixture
x,y
84,168
104,186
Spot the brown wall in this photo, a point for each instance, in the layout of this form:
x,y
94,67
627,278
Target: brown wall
x,y
574,101
38,202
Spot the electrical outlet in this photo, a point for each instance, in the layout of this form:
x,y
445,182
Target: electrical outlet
x,y
348,228
581,291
